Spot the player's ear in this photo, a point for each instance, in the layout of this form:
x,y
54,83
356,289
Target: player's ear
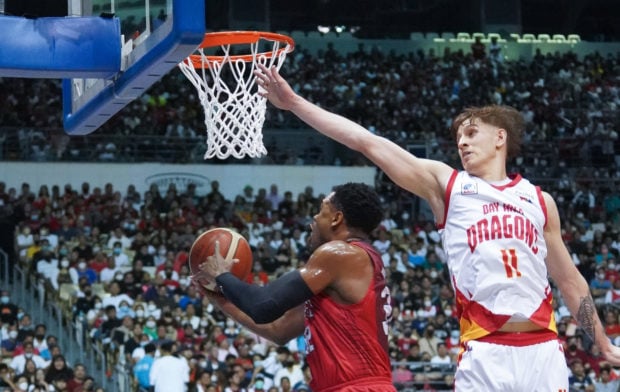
x,y
501,137
337,218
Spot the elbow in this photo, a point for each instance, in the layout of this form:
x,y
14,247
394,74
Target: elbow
x,y
279,340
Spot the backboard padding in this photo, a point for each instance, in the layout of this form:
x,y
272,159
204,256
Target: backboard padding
x,y
59,47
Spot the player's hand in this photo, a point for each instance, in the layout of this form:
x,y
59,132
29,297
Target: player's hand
x,y
612,355
215,265
274,87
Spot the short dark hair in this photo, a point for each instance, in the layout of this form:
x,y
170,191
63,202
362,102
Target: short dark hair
x,y
166,346
150,348
360,204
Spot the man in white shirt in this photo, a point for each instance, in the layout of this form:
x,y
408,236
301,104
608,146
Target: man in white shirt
x,y
107,274
120,257
442,356
169,373
18,363
119,235
116,296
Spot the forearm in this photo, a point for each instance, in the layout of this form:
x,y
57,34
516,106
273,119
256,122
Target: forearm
x,y
577,297
268,303
330,124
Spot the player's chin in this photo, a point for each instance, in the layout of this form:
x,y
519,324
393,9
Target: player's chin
x,y
313,241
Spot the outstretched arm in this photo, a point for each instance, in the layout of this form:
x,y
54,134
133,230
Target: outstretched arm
x,y
423,177
573,287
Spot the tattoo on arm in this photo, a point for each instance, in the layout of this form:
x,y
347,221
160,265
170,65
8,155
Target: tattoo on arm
x,y
585,316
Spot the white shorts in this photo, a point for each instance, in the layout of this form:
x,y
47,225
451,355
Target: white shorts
x,y
495,367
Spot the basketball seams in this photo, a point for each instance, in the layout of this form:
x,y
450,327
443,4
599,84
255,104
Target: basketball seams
x,y
232,248
232,242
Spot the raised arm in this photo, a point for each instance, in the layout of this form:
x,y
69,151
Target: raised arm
x,y
572,285
423,177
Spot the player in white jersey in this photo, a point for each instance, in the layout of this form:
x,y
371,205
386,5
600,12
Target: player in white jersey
x,y
502,239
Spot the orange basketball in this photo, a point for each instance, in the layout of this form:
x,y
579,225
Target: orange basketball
x,y
232,245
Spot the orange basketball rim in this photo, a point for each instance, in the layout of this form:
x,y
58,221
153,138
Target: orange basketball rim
x,y
223,38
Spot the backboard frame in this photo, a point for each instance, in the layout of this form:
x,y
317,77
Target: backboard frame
x,y
86,110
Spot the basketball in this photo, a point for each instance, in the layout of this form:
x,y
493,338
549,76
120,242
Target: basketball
x,y
232,245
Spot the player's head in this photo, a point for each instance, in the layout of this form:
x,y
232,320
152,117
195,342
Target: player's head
x,y
502,117
350,209
360,205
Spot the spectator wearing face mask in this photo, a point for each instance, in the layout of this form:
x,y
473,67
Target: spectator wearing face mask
x,y
290,370
9,343
18,362
39,341
428,342
62,274
83,270
150,328
8,310
120,257
45,234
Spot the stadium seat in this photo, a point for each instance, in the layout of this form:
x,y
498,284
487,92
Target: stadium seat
x,y
463,36
416,36
447,35
482,36
67,291
314,34
298,35
544,37
528,38
573,38
495,35
559,38
99,290
150,270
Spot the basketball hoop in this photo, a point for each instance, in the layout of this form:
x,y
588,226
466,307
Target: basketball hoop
x,y
227,89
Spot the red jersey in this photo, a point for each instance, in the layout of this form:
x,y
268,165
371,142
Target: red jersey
x,y
347,345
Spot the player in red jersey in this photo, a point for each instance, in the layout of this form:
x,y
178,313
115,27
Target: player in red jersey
x,y
339,300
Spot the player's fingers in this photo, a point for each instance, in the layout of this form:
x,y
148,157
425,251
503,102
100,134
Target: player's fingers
x,y
217,248
195,281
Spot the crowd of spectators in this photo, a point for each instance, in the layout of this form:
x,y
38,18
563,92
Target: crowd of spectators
x,y
125,253
568,100
32,359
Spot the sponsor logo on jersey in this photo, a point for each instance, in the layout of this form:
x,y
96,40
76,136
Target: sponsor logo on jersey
x,y
470,188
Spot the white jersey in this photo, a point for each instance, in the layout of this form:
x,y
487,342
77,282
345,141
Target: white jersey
x,y
493,239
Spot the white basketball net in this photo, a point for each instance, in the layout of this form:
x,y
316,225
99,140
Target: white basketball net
x,y
234,111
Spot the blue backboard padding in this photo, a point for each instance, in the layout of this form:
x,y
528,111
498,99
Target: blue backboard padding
x,y
60,47
163,50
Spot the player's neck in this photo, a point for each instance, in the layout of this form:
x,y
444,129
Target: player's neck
x,y
492,174
357,237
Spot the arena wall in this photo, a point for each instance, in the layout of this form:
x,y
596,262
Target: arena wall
x,y
232,178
